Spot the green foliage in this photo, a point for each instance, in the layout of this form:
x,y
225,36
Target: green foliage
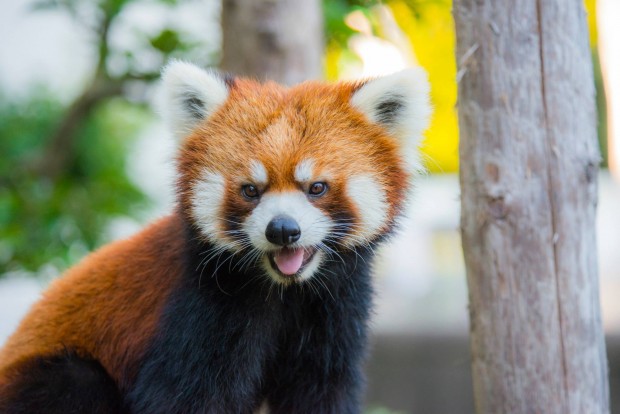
x,y
57,221
334,12
167,41
63,170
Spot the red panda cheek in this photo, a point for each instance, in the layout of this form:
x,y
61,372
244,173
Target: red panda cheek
x,y
337,207
206,197
370,200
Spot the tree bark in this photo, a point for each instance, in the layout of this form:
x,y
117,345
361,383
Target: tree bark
x,y
280,40
60,149
528,171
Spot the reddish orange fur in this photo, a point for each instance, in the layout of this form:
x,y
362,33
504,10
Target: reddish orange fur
x,y
107,306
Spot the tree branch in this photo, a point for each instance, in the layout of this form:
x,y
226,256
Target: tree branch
x,y
60,149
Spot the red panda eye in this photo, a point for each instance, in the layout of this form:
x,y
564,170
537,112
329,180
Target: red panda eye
x,y
317,189
249,191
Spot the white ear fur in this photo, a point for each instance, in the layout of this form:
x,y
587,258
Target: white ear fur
x,y
400,103
191,95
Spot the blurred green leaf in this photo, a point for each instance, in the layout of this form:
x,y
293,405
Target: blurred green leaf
x,y
167,41
113,7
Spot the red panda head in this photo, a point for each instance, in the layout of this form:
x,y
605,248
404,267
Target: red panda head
x,y
290,176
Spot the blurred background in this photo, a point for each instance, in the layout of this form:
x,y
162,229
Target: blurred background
x,y
85,159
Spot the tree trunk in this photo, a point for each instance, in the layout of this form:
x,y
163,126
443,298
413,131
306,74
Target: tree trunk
x,y
528,170
280,40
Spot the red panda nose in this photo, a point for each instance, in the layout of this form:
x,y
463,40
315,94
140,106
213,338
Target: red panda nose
x,y
283,230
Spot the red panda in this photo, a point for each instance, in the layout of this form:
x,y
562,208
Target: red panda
x,y
256,290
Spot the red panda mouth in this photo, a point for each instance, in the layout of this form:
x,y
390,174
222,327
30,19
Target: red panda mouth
x,y
290,262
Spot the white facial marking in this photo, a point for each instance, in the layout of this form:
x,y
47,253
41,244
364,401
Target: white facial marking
x,y
311,268
313,223
371,202
278,134
304,171
207,198
258,172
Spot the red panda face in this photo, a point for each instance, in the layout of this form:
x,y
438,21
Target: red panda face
x,y
289,177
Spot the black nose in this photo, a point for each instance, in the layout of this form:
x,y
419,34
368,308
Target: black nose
x,y
283,230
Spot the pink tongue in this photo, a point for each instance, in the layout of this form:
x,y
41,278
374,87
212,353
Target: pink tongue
x,y
289,261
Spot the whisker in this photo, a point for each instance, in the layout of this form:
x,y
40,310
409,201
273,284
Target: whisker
x,y
322,282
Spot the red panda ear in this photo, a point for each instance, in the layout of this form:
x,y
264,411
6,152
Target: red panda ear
x,y
191,95
399,102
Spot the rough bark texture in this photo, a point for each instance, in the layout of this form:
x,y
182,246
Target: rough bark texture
x,y
280,40
528,171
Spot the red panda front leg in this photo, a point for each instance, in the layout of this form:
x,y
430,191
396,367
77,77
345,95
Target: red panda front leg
x,y
319,367
338,394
